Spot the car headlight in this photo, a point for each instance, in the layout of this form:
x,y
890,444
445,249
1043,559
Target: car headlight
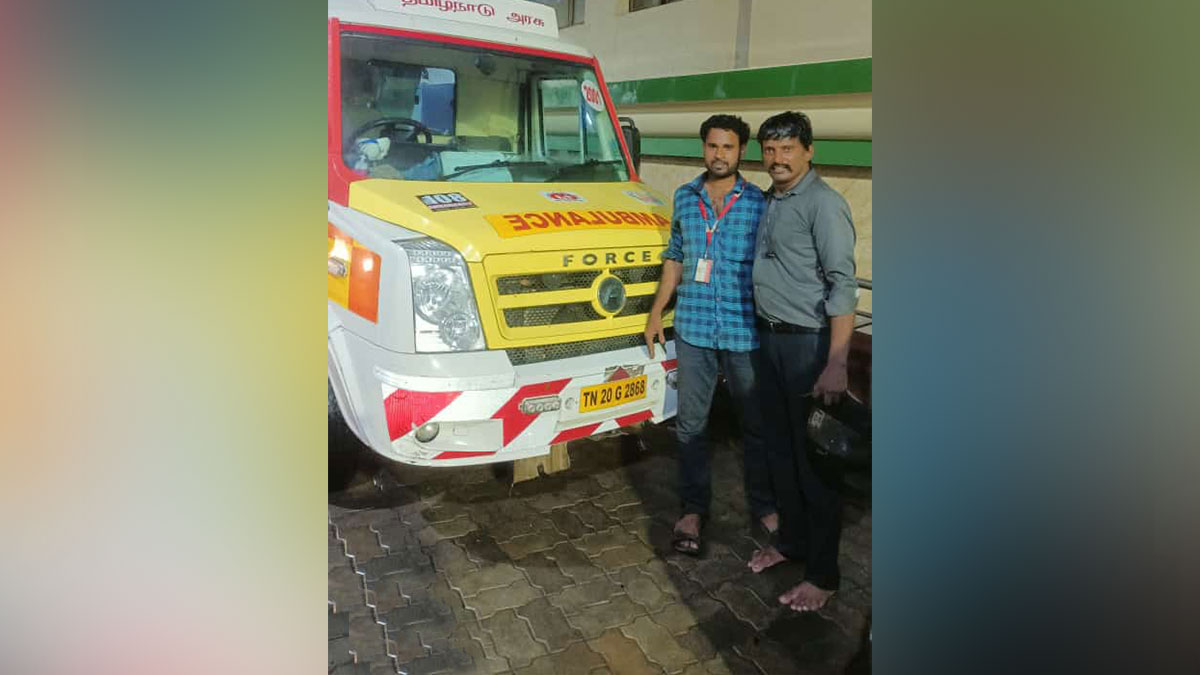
x,y
445,318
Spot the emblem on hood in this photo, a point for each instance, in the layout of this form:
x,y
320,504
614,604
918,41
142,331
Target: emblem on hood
x,y
610,295
446,201
564,196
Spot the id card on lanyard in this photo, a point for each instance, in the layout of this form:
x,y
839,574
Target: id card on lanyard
x,y
704,264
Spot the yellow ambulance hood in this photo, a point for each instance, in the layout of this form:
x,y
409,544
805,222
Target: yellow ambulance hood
x,y
481,219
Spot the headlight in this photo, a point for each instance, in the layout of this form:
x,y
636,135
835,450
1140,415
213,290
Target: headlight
x,y
444,315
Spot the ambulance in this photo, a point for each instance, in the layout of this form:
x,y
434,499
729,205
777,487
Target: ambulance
x,y
492,253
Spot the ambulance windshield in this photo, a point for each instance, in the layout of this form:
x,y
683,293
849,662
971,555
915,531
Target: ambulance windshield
x,y
416,110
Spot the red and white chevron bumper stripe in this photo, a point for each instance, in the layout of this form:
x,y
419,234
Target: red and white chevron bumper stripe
x,y
501,429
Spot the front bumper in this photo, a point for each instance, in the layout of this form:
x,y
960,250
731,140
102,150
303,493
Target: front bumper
x,y
485,409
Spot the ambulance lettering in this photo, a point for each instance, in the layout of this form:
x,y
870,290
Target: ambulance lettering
x,y
532,222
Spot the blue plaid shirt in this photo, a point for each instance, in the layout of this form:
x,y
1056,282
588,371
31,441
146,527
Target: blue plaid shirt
x,y
719,314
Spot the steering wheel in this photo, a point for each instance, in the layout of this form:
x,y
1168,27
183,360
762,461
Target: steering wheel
x,y
392,123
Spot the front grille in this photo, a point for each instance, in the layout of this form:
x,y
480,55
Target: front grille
x,y
531,292
638,275
525,355
637,305
550,315
540,283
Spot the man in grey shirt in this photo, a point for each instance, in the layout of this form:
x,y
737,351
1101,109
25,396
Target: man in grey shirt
x,y
805,293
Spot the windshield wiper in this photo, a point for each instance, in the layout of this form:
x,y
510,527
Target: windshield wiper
x,y
499,163
590,162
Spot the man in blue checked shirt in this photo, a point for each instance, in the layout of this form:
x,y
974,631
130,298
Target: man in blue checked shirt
x,y
709,263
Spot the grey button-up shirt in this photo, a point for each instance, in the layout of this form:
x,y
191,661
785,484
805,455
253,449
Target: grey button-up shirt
x,y
804,260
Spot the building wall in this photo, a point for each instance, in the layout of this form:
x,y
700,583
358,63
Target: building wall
x,y
807,31
700,36
681,38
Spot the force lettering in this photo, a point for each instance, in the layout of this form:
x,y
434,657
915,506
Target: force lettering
x,y
520,224
609,258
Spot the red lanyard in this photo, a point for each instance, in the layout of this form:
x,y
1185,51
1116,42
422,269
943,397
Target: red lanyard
x,y
708,231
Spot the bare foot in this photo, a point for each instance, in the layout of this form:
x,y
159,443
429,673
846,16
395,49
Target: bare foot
x,y
771,522
764,558
806,597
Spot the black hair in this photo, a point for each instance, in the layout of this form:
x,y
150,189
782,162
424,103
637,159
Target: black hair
x,y
787,125
728,123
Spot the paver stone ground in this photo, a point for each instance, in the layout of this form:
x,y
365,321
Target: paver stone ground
x,y
455,571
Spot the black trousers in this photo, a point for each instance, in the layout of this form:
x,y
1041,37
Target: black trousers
x,y
805,483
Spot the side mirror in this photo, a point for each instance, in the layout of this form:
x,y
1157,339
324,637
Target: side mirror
x,y
633,141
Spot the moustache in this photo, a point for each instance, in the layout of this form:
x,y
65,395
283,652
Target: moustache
x,y
780,166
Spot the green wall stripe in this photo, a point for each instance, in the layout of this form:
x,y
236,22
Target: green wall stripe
x,y
851,76
829,152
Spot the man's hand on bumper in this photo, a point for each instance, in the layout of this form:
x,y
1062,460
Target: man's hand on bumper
x,y
654,329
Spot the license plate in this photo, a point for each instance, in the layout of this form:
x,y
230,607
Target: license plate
x,y
609,394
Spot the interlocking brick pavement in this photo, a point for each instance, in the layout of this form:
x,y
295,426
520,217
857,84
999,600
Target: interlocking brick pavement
x,y
623,654
457,571
658,645
642,589
593,620
493,600
513,639
574,599
578,659
544,573
574,563
549,625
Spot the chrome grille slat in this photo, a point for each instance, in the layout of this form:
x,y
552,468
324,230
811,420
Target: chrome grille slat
x,y
636,305
638,275
540,283
525,355
573,312
550,315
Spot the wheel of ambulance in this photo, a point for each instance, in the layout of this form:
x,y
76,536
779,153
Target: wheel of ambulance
x,y
345,449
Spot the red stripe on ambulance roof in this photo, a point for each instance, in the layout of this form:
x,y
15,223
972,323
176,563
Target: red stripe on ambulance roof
x,y
516,421
407,410
578,432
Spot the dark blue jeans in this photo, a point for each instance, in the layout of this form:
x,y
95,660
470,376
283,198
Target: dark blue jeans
x,y
698,367
810,524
